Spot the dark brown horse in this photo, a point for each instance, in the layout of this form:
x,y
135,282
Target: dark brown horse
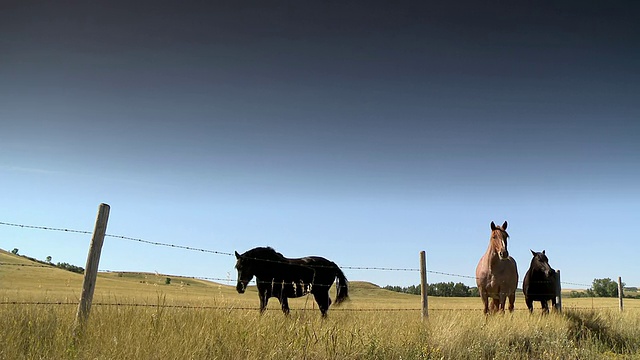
x,y
540,282
497,273
283,278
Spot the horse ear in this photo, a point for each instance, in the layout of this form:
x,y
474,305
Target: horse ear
x,y
543,252
493,226
533,252
237,255
504,226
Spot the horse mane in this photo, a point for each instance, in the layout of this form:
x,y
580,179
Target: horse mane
x,y
264,252
501,231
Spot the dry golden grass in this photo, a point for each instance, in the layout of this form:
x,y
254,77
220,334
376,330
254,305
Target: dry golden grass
x,y
218,323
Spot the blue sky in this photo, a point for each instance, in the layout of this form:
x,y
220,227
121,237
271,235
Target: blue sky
x,y
362,132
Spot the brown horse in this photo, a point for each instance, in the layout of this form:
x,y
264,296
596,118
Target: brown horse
x,y
497,273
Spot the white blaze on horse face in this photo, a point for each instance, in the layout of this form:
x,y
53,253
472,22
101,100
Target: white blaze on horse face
x,y
503,253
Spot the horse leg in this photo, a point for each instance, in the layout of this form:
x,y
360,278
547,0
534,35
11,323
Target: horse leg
x,y
545,306
529,304
495,305
284,302
323,301
485,301
553,303
503,300
512,301
264,299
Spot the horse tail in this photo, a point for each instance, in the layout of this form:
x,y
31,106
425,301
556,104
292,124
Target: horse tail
x,y
342,285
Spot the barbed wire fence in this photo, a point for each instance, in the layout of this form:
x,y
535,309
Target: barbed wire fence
x,y
227,279
191,248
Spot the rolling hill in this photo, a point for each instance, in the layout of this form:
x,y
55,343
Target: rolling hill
x,y
26,280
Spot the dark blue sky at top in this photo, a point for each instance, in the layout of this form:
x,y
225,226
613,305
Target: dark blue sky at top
x,y
300,101
373,86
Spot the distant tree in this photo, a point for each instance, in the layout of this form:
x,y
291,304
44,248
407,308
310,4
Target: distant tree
x,y
413,289
605,287
14,251
440,289
395,288
167,281
69,267
449,289
446,289
48,259
460,290
580,294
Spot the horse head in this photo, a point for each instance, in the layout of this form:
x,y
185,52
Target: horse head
x,y
498,240
245,272
540,262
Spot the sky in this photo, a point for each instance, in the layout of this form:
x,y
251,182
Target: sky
x,y
360,131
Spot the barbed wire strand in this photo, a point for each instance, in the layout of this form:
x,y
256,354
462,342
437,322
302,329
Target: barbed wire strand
x,y
199,277
176,277
155,243
117,237
233,280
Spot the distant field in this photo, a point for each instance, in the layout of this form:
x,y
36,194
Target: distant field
x,y
198,319
49,284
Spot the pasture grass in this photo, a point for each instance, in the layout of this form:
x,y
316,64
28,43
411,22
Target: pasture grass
x,y
158,332
204,320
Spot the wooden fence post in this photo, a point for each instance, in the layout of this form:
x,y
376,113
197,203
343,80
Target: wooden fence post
x,y
423,285
620,292
91,269
558,292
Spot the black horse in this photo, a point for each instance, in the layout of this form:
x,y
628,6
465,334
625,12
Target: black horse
x,y
540,282
283,278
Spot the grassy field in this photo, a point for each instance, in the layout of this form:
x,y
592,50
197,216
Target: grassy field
x,y
195,319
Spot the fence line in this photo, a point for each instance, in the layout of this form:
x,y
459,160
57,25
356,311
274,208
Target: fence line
x,y
233,280
155,243
181,246
222,307
117,237
99,233
159,275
